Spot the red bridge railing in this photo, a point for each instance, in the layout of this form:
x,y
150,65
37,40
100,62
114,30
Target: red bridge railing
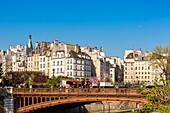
x,y
121,91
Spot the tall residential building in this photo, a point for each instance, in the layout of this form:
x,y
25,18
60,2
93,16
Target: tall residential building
x,y
78,66
18,58
100,67
58,63
116,69
129,74
139,69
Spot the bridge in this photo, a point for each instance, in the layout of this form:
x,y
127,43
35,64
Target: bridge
x,y
28,99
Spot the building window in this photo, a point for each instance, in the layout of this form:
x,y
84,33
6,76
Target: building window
x,y
57,63
125,77
53,63
142,68
61,62
67,67
142,58
43,65
57,70
75,61
53,70
43,59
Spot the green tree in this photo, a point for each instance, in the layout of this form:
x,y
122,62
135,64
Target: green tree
x,y
161,57
158,99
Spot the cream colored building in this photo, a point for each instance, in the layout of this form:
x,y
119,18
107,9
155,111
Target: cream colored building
x,y
48,63
139,69
116,69
100,67
78,66
58,63
30,63
129,60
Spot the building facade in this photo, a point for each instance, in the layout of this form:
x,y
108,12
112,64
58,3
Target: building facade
x,y
139,69
116,69
100,67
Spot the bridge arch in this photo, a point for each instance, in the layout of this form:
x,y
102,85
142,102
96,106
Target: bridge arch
x,y
36,98
76,100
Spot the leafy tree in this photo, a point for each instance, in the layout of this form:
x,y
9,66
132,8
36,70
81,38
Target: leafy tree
x,y
158,99
24,77
161,57
39,78
57,79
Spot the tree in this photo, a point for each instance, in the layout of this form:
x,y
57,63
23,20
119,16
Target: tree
x,y
158,99
24,77
161,57
107,78
39,77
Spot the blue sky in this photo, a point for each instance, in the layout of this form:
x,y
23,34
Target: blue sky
x,y
116,25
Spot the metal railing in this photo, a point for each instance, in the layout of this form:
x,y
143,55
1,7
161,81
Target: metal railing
x,y
109,91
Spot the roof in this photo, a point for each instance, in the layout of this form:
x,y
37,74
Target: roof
x,y
73,54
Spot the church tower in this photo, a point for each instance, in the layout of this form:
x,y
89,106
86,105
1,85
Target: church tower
x,y
30,42
29,46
